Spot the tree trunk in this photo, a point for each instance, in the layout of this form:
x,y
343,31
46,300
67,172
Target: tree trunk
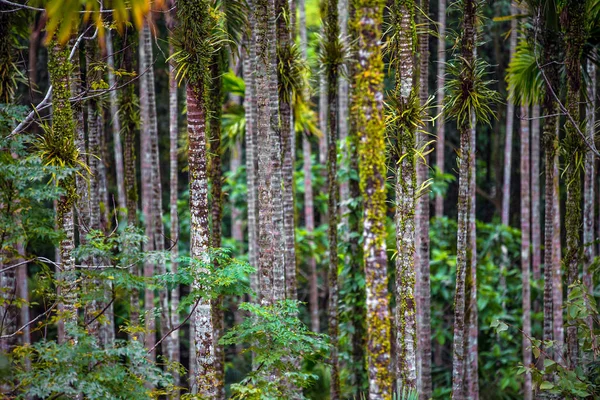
x,y
250,109
63,125
368,101
510,116
204,381
128,118
441,79
574,147
588,187
173,342
116,126
343,113
525,247
556,270
284,43
422,221
406,88
146,85
309,215
466,170
331,37
216,195
550,136
536,219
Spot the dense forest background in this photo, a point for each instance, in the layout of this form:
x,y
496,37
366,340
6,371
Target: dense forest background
x,y
282,199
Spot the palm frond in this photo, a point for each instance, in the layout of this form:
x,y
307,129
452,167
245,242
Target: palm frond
x,y
525,81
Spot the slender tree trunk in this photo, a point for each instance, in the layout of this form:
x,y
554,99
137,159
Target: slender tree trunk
x,y
343,113
145,66
216,195
536,219
63,126
525,247
309,216
550,136
250,108
116,126
422,221
466,170
406,88
237,222
556,269
270,260
128,114
204,381
574,146
588,187
331,37
368,101
441,79
284,47
510,116
173,343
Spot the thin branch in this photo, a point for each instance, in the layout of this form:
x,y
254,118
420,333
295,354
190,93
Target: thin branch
x,y
176,327
29,323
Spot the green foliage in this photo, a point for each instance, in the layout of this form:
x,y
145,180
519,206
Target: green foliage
x,y
277,339
230,278
525,82
440,182
81,366
466,99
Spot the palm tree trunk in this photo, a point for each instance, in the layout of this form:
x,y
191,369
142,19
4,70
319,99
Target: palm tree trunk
x,y
204,381
422,222
216,177
59,68
588,187
536,219
441,79
466,170
284,43
525,246
116,126
173,343
550,136
406,88
510,116
368,99
574,146
309,216
556,270
343,113
250,109
331,37
270,221
145,66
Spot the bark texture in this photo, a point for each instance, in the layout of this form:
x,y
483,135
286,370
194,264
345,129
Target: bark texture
x,y
574,149
440,124
525,247
368,106
466,171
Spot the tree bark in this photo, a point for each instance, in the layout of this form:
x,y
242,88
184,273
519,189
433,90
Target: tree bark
x,y
204,381
589,187
147,170
332,33
536,219
574,146
466,170
173,342
368,103
441,79
116,126
525,247
422,221
406,88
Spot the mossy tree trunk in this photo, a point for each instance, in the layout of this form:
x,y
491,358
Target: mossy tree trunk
x,y
404,112
574,149
368,107
331,60
464,257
